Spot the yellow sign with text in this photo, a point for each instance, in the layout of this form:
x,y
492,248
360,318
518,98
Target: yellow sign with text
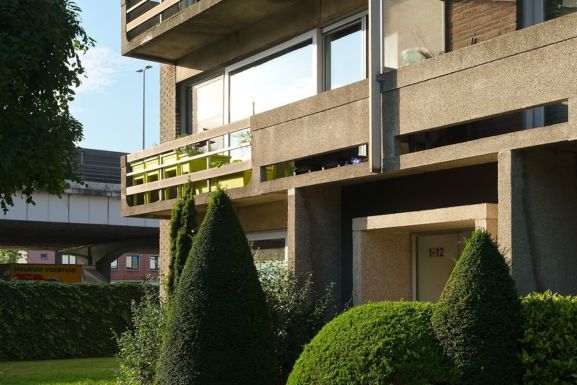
x,y
54,273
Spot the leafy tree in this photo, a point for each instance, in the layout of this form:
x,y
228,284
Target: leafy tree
x,y
477,319
40,44
139,345
297,312
218,331
9,256
182,227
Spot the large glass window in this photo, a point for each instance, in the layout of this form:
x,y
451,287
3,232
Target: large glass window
x,y
207,100
414,31
281,75
345,55
272,82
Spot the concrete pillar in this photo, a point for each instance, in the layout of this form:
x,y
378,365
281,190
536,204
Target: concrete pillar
x,y
538,218
314,235
383,266
164,252
103,267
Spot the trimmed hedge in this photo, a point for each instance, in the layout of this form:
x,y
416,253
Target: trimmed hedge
x,y
376,344
47,320
218,330
549,342
477,320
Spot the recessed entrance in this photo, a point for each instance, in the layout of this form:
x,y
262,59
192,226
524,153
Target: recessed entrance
x,y
435,258
410,255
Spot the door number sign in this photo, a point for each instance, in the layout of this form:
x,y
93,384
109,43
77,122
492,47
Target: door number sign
x,y
436,252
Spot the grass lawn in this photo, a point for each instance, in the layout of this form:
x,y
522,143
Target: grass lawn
x,y
89,371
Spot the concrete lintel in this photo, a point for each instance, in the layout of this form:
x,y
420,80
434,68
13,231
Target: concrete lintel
x,y
425,219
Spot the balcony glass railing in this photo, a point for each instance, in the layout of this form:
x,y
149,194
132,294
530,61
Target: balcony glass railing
x,y
209,162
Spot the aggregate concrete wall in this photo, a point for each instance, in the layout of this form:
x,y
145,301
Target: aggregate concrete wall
x,y
386,267
314,238
537,205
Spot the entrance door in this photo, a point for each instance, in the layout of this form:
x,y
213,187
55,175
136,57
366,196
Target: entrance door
x,y
435,259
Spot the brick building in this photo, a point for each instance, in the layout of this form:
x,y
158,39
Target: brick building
x,y
364,139
127,268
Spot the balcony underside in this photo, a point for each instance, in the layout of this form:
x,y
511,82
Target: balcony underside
x,y
197,26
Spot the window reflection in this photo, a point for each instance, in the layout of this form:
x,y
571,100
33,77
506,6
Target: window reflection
x,y
414,31
207,102
558,8
273,82
344,56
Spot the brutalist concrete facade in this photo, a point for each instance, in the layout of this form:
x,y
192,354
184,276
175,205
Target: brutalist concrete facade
x,y
482,136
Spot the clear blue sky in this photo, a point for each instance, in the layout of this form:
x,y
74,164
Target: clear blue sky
x,y
109,102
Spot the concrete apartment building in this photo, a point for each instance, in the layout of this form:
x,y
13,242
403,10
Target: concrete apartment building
x,y
362,140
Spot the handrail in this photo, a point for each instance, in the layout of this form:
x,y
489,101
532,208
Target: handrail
x,y
199,156
150,14
190,139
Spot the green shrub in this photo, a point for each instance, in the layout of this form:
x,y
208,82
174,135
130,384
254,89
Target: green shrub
x,y
375,344
297,313
182,227
549,342
139,346
477,319
47,320
218,329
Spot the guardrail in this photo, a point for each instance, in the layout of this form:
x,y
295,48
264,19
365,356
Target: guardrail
x,y
219,157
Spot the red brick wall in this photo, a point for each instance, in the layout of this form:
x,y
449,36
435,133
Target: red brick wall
x,y
121,274
474,21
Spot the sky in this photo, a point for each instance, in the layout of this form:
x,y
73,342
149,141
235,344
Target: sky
x,y
109,101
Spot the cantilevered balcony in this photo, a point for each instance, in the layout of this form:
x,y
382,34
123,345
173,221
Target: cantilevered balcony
x,y
167,31
219,157
321,139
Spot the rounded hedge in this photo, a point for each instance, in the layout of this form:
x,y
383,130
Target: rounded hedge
x,y
218,330
375,344
477,320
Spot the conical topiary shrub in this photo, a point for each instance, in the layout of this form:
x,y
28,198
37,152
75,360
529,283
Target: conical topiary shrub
x,y
182,226
218,330
477,320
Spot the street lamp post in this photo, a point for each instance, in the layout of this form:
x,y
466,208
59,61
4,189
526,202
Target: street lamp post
x,y
143,70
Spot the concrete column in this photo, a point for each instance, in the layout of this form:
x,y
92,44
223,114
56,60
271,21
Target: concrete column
x,y
572,134
314,235
103,267
164,252
538,218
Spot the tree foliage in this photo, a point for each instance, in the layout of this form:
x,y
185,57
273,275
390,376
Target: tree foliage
x,y
182,226
9,256
297,311
477,319
139,345
218,330
40,47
